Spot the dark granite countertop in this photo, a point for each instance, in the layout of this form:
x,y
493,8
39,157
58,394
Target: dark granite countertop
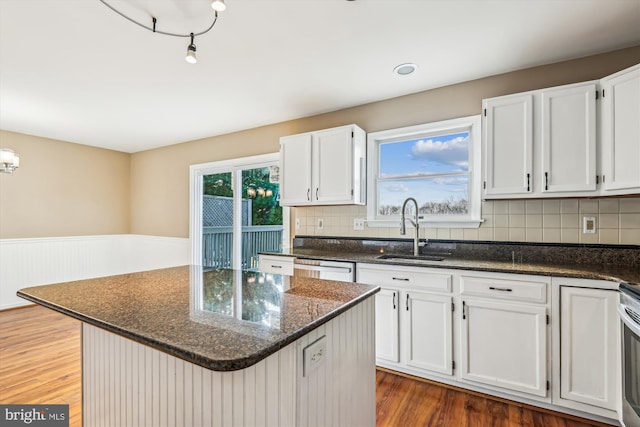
x,y
621,265
223,320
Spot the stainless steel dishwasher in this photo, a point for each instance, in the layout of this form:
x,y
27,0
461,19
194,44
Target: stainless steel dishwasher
x,y
330,270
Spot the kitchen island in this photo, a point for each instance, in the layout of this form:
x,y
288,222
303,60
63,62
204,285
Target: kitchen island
x,y
186,346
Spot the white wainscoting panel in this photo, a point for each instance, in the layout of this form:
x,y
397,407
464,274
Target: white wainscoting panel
x,y
41,261
128,384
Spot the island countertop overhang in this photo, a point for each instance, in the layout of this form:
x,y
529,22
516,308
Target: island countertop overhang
x,y
223,320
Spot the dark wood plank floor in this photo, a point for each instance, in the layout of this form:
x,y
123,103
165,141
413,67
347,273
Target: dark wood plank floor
x,y
40,363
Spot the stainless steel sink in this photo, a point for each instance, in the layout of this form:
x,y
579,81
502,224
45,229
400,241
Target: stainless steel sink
x,y
411,257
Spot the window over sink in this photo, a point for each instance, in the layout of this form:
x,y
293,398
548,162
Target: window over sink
x,y
438,164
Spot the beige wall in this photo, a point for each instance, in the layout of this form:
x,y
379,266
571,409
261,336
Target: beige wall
x,y
63,189
160,178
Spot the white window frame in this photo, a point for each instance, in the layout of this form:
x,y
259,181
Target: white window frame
x,y
235,166
471,124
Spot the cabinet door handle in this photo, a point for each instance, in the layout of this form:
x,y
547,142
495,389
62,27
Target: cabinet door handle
x,y
407,302
403,279
317,193
546,180
463,307
394,300
309,194
528,182
492,288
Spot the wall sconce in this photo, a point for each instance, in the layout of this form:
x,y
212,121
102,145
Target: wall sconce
x,y
9,161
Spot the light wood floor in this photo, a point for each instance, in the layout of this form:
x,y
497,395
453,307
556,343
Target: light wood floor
x,y
40,363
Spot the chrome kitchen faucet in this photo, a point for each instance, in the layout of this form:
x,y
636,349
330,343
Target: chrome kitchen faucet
x,y
403,229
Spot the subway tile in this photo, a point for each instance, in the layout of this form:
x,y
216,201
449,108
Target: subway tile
x,y
551,220
456,233
500,220
516,206
533,207
568,206
630,220
588,206
487,207
552,235
608,220
629,237
488,221
608,206
486,233
501,234
569,235
589,238
534,221
534,234
501,207
551,206
516,221
517,234
443,233
471,233
431,233
631,205
609,237
569,221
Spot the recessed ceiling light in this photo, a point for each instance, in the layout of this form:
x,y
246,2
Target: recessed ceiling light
x,y
405,69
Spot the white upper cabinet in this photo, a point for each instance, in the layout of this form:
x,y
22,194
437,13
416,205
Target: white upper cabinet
x,y
620,145
325,167
541,143
563,142
568,160
508,136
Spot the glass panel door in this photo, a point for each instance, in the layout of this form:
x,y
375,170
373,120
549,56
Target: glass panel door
x,y
241,215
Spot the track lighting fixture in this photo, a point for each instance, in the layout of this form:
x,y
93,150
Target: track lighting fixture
x,y
191,52
217,5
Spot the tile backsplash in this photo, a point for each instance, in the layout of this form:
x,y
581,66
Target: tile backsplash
x,y
551,221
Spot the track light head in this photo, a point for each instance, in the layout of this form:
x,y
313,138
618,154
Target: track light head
x,y
218,5
191,52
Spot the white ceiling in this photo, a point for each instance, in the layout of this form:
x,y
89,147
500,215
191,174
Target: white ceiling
x,y
76,71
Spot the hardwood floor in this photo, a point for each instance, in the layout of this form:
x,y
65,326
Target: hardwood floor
x,y
40,359
40,363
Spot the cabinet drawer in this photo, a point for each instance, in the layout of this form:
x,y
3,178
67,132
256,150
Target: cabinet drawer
x,y
504,288
394,276
276,264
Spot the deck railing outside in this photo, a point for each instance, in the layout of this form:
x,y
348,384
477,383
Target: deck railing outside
x,y
217,245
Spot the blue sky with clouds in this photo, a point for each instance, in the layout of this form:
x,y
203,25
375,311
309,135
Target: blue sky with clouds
x,y
422,158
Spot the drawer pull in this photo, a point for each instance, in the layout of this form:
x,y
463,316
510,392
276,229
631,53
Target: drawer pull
x,y
276,266
500,289
404,279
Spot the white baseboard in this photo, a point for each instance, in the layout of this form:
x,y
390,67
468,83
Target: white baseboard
x,y
41,261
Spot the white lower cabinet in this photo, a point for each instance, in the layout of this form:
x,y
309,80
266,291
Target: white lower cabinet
x,y
387,333
587,346
551,342
414,331
504,345
428,332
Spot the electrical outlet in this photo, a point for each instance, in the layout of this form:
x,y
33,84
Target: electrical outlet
x,y
358,223
314,355
297,223
320,223
589,225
